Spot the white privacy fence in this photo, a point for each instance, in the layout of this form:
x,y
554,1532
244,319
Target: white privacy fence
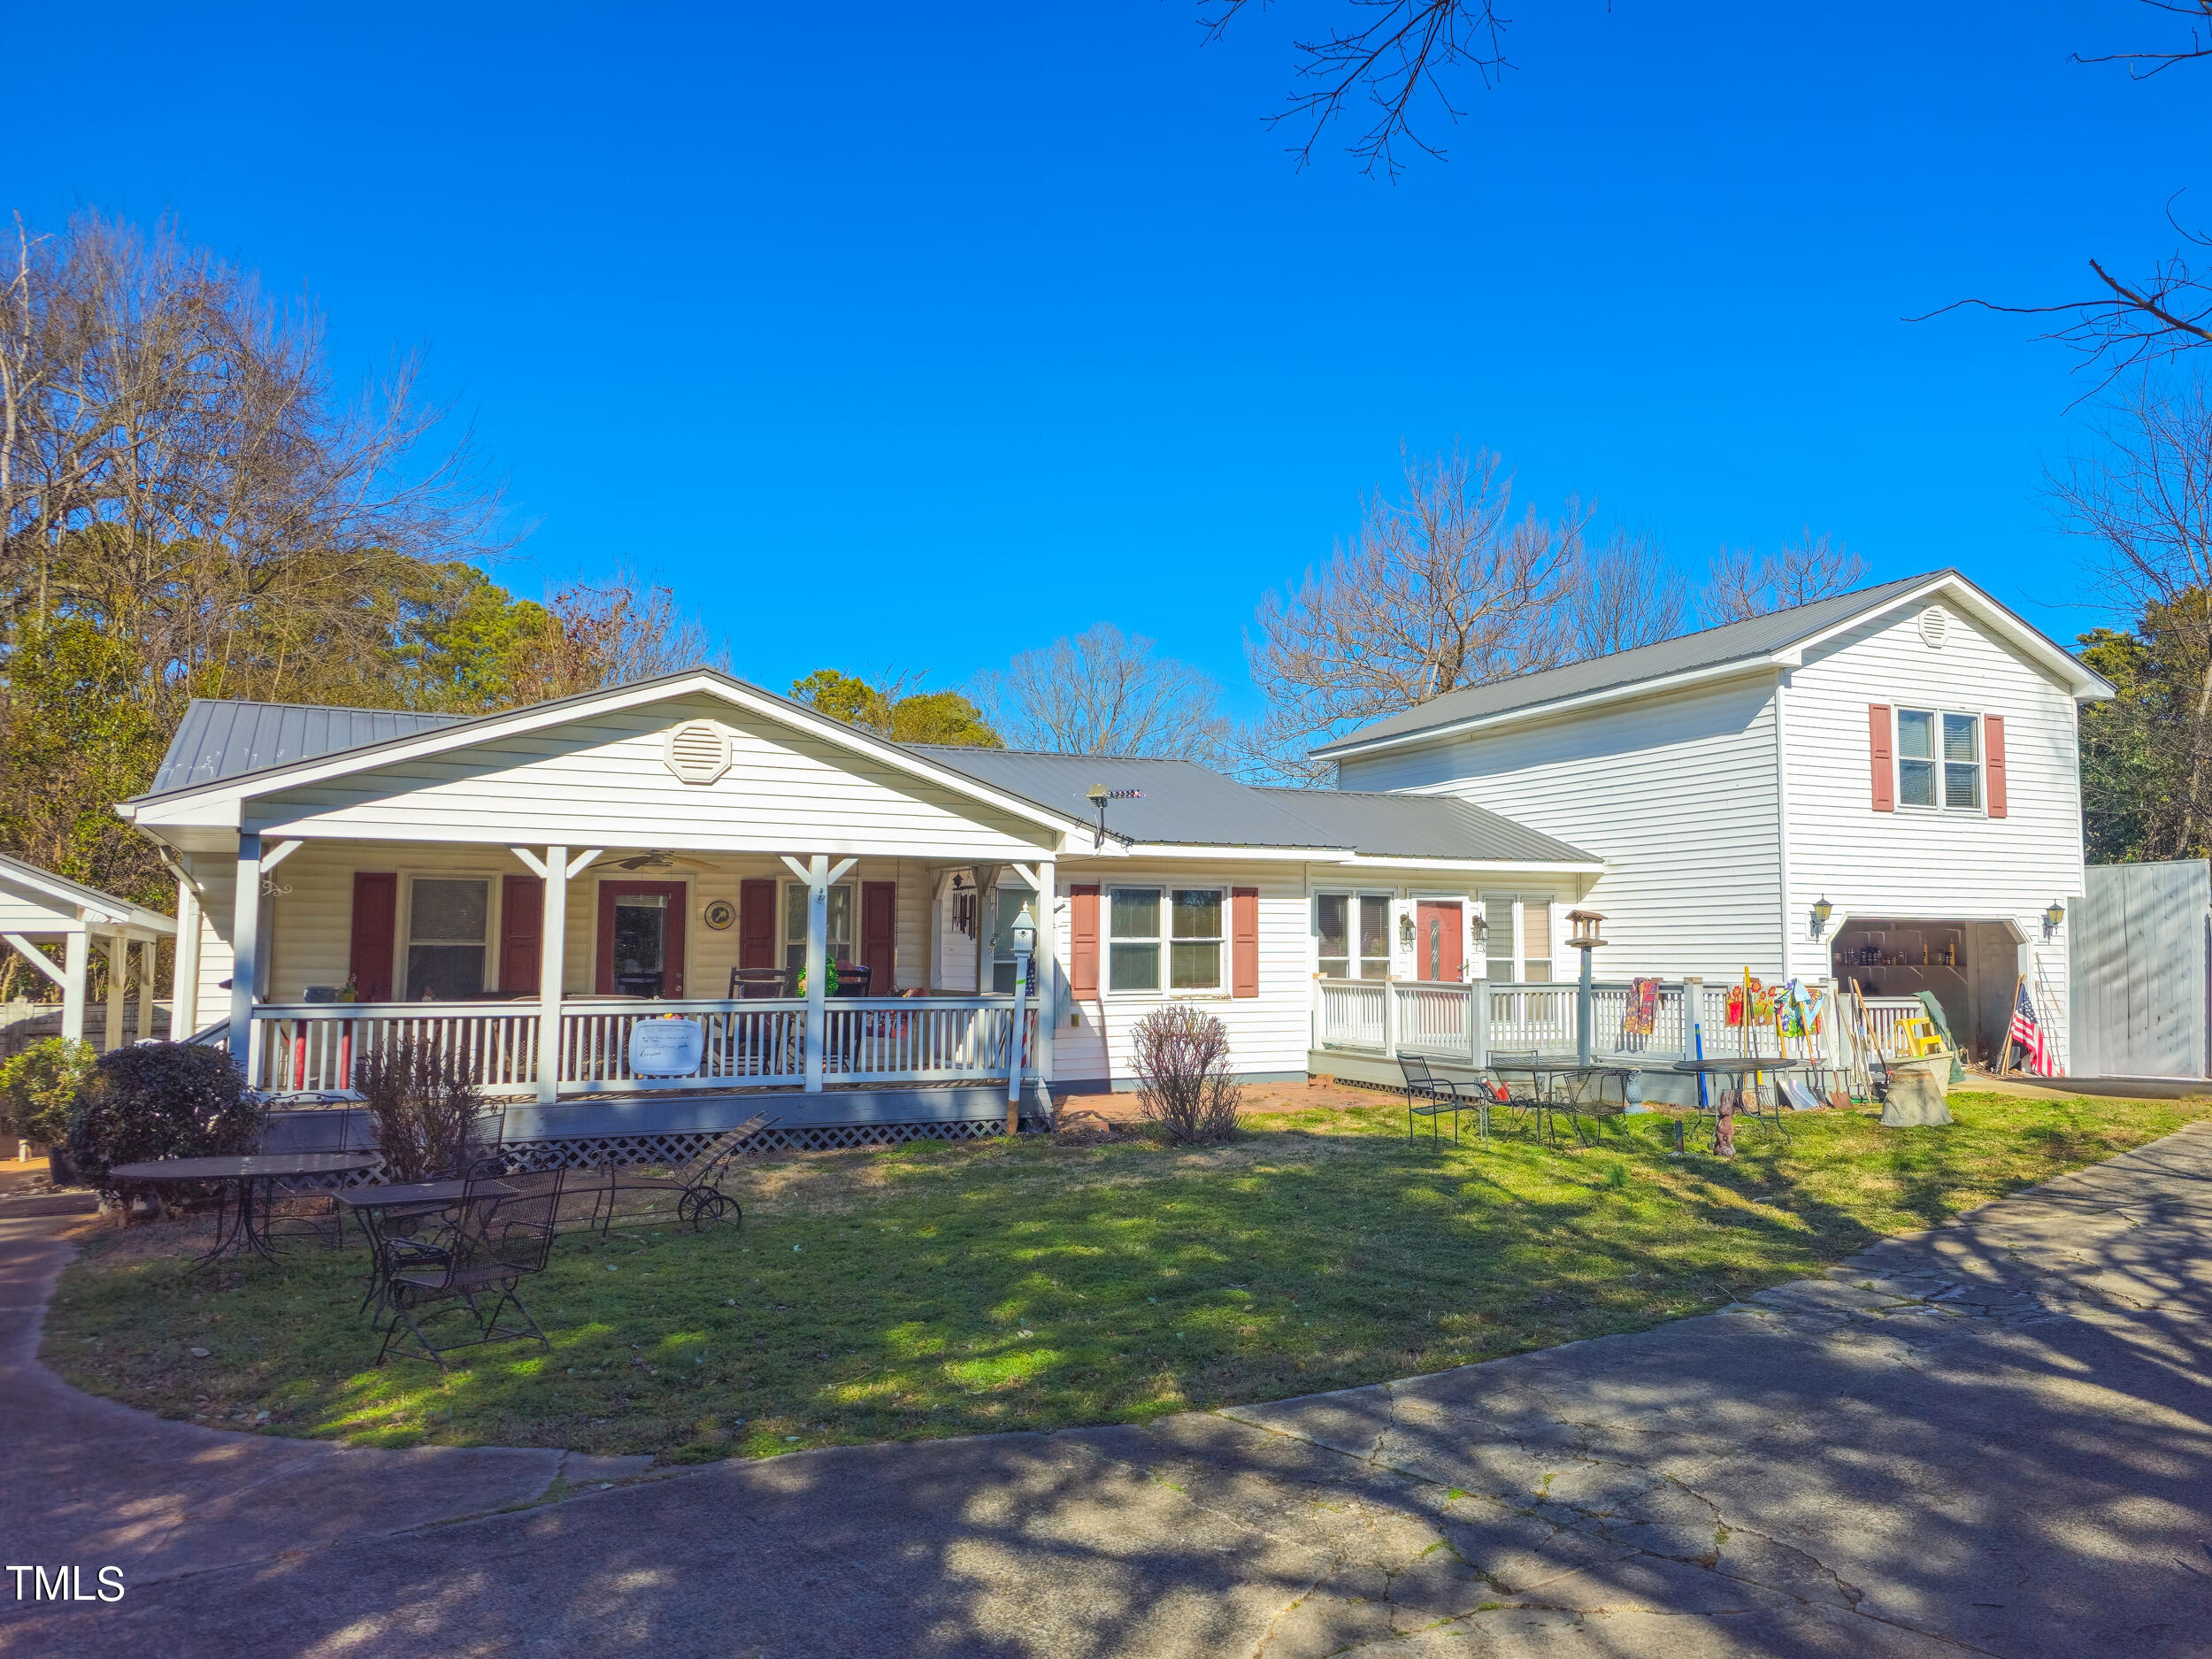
x,y
1466,1022
316,1048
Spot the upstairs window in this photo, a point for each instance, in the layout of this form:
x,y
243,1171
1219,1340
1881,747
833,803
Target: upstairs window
x,y
1939,760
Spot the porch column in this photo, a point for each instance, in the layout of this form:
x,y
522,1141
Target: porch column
x,y
245,938
1046,968
77,945
119,954
552,971
148,949
819,877
184,987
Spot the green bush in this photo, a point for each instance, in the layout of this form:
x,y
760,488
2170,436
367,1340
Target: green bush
x,y
161,1100
39,1086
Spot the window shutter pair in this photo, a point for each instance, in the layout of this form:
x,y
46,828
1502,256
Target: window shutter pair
x,y
1244,941
1882,755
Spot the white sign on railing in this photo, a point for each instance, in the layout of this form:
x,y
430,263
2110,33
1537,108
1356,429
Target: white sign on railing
x,y
666,1047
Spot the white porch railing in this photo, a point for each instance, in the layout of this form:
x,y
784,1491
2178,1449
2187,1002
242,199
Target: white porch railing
x,y
314,1046
1442,1020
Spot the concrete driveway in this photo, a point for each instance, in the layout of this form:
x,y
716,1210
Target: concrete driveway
x,y
1995,1438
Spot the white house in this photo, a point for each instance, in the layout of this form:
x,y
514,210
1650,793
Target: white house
x,y
532,886
1881,787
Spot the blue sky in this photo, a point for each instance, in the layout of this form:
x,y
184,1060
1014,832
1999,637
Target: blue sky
x,y
912,335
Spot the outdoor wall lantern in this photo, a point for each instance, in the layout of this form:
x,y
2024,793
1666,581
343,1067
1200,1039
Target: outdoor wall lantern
x,y
2051,918
1822,911
1405,929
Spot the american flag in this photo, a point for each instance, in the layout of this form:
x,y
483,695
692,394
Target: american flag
x,y
2027,1031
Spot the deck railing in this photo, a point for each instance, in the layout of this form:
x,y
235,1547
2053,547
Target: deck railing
x,y
1463,1022
313,1048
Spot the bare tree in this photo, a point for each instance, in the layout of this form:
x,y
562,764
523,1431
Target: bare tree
x,y
1746,583
1441,588
172,458
2129,324
2145,504
611,633
1102,693
1387,54
1626,594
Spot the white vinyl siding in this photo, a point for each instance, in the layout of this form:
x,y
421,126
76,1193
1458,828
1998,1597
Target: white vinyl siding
x,y
1677,794
595,782
1928,863
1268,1033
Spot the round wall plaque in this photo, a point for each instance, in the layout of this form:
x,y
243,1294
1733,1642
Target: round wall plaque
x,y
719,914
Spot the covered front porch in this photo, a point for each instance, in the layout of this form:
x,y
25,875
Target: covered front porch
x,y
583,962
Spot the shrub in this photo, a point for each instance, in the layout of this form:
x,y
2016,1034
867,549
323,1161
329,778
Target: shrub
x,y
1183,1079
161,1100
39,1086
426,1108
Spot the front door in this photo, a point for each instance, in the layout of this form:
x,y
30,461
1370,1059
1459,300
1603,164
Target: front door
x,y
1438,935
641,938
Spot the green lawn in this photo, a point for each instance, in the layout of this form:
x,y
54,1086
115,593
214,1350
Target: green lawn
x,y
945,1288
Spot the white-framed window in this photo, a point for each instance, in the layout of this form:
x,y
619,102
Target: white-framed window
x,y
449,937
1518,939
1178,929
1353,933
844,908
1939,760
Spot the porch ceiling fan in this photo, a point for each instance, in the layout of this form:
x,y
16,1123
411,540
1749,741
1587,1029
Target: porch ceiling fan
x,y
658,858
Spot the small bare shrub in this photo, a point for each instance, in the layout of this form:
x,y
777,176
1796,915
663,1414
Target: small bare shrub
x,y
427,1110
1183,1079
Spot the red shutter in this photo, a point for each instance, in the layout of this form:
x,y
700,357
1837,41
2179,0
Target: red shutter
x,y
375,931
1993,750
521,936
1083,940
1244,941
757,929
1877,730
879,935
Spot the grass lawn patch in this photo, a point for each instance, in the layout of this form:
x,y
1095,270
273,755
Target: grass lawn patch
x,y
961,1287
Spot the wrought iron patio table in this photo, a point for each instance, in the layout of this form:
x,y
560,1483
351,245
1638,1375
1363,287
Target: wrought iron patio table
x,y
242,1221
1744,1096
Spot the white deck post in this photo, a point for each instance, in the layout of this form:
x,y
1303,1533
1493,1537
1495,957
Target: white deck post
x,y
119,956
184,985
147,950
245,933
78,948
1478,1020
1692,1016
1390,1019
552,969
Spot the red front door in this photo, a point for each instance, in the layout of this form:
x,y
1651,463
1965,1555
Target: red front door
x,y
641,938
1439,933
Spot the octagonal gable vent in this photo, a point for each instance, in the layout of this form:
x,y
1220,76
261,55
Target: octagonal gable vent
x,y
1935,627
699,751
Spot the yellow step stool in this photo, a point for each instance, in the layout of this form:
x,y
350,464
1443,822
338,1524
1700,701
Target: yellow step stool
x,y
1919,1037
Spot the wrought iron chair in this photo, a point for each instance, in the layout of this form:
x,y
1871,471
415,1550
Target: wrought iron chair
x,y
1596,1096
493,1244
1525,1084
1431,1096
698,1178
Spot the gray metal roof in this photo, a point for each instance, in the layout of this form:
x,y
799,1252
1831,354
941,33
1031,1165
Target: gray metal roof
x,y
1710,648
1185,803
219,739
